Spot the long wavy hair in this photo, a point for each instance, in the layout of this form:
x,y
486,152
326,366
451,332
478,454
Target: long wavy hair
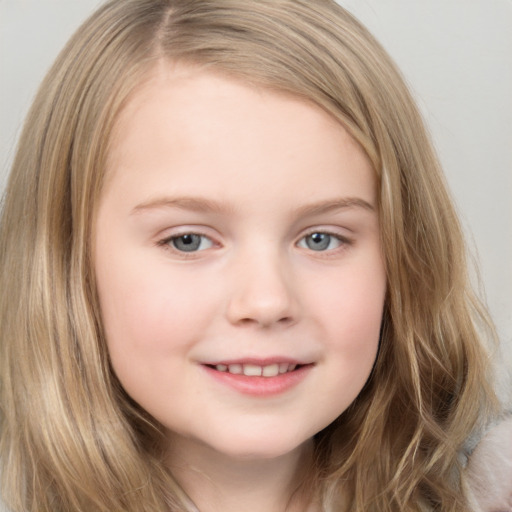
x,y
71,439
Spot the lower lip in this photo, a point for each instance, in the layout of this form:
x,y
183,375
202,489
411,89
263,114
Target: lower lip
x,y
260,386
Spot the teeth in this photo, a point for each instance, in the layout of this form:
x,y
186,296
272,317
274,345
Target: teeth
x,y
253,370
237,369
270,371
283,367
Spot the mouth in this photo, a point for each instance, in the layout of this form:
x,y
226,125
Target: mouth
x,y
256,370
259,378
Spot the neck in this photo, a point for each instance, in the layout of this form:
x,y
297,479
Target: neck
x,y
218,483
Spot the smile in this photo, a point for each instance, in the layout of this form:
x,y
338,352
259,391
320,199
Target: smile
x,y
268,378
253,370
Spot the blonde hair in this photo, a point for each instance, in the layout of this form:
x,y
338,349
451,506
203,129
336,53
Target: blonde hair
x,y
71,439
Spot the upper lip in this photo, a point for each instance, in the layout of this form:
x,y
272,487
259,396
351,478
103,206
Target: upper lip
x,y
257,361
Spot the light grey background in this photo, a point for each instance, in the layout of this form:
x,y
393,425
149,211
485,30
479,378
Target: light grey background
x,y
455,54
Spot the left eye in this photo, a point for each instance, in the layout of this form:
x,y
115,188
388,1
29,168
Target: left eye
x,y
320,242
190,242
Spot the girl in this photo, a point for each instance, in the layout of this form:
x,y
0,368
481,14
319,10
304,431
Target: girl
x,y
232,276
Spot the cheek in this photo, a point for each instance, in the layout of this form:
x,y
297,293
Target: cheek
x,y
153,314
349,317
349,302
150,320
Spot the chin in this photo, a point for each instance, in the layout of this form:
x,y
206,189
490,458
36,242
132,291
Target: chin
x,y
257,447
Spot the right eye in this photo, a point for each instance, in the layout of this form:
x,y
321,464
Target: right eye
x,y
319,241
188,242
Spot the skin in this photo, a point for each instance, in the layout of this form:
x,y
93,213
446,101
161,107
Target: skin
x,y
254,173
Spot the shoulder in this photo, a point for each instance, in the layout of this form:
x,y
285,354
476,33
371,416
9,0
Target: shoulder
x,y
489,470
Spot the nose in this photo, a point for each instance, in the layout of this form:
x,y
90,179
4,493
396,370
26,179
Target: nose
x,y
262,292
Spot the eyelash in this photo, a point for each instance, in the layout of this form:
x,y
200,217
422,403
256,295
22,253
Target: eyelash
x,y
343,242
169,242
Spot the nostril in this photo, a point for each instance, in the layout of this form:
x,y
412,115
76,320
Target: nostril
x,y
286,320
247,321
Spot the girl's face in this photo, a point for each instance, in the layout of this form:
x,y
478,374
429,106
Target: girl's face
x,y
238,263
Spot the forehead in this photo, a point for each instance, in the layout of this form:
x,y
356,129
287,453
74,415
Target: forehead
x,y
183,83
196,120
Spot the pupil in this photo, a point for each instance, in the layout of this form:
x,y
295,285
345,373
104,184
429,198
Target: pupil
x,y
318,241
187,243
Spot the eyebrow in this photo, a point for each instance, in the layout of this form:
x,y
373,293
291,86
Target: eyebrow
x,y
195,204
343,203
203,205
